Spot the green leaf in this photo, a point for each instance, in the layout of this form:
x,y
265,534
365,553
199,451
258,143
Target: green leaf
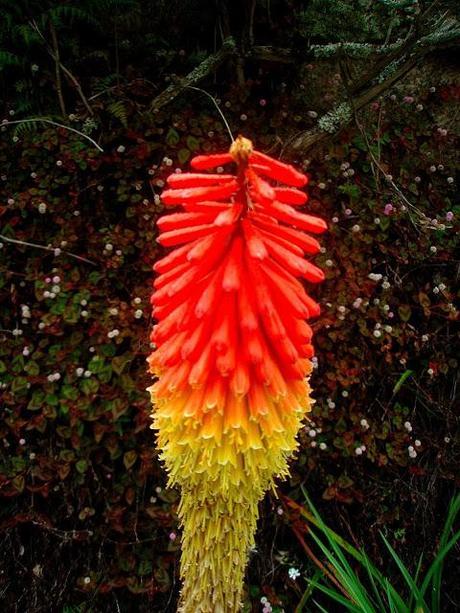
x,y
172,138
120,362
19,384
96,365
81,466
406,374
193,143
129,459
405,312
36,401
89,386
69,392
2,366
32,368
183,155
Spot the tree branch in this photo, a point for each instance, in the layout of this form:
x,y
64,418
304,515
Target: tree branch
x,y
333,122
207,66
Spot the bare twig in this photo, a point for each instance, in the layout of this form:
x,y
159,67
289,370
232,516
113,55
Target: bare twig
x,y
57,69
6,239
198,89
53,123
64,69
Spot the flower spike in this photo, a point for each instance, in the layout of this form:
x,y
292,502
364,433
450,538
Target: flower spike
x,y
232,356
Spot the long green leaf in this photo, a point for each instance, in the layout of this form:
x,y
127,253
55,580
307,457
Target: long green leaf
x,y
309,591
404,572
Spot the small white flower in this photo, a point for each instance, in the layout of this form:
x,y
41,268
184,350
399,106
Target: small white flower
x,y
388,329
322,185
329,263
17,332
417,443
377,220
79,371
447,439
313,444
408,426
41,325
425,338
442,287
138,314
356,228
419,107
430,371
119,251
34,67
293,573
313,115
22,441
137,300
57,252
417,179
373,276
450,180
42,208
358,451
341,309
87,580
56,279
364,424
113,311
335,220
83,302
84,313
357,303
312,433
412,453
52,295
377,333
32,456
108,247
389,178
433,249
59,163
435,290
26,351
87,374
322,446
243,117
121,149
432,90
386,285
56,289
432,168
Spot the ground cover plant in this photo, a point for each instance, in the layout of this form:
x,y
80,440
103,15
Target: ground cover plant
x,y
86,523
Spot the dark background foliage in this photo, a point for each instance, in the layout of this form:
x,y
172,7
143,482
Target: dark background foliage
x,y
365,99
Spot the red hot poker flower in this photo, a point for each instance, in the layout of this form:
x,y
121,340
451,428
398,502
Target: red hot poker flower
x,y
232,354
